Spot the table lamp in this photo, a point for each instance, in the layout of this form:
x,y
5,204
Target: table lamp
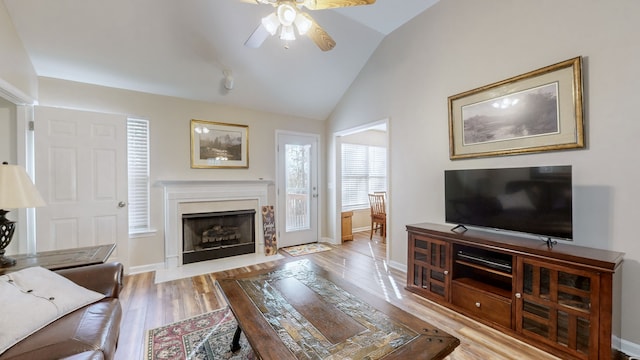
x,y
16,191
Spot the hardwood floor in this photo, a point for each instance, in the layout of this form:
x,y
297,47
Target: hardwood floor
x,y
147,305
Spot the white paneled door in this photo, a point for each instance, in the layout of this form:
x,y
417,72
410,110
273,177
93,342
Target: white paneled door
x,y
297,189
81,171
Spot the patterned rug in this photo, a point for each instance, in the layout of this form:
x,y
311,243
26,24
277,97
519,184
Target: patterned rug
x,y
306,249
204,337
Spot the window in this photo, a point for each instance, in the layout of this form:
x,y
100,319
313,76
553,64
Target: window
x,y
138,167
298,185
364,171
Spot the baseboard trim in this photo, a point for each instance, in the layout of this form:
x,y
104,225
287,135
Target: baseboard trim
x,y
145,268
329,241
627,347
398,266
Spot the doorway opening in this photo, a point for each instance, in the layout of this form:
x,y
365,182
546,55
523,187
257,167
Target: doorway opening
x,y
362,168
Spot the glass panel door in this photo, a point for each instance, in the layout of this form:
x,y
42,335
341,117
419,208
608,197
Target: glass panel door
x,y
430,266
297,189
556,306
298,186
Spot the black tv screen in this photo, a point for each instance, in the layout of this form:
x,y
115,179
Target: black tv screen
x,y
532,200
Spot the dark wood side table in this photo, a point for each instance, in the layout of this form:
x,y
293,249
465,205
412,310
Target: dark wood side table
x,y
62,259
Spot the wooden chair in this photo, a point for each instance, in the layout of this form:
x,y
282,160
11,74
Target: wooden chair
x,y
378,215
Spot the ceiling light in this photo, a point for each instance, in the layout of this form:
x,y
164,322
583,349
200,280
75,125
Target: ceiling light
x,y
303,24
285,18
289,13
287,33
286,14
271,23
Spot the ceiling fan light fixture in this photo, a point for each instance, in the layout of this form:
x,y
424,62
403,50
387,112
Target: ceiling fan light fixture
x,y
286,14
287,33
303,24
289,18
271,23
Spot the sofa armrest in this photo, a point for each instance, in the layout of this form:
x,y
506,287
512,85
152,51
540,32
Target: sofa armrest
x,y
103,278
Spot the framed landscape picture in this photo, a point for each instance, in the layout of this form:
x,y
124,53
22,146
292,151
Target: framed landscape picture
x,y
219,145
538,111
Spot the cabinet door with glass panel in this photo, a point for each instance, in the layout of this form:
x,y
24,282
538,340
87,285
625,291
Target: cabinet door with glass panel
x,y
559,306
429,271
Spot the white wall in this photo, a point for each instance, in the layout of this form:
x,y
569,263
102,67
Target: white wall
x,y
16,70
8,143
169,120
459,45
8,153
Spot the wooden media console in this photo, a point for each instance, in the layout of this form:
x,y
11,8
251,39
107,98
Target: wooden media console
x,y
563,299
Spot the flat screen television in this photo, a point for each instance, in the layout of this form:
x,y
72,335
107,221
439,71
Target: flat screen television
x,y
531,200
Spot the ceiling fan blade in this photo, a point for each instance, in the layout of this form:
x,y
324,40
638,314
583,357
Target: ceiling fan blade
x,y
259,35
328,4
319,36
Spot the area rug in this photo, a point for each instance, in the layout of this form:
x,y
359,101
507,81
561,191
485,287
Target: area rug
x,y
204,337
306,249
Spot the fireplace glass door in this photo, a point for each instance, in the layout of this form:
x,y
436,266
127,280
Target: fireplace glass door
x,y
208,236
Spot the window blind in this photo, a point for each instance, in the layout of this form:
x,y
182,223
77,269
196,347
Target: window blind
x,y
364,171
138,167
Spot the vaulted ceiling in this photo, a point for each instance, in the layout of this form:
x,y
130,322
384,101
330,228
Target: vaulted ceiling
x,y
182,48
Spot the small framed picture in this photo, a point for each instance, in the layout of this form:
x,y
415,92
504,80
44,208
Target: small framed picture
x,y
219,145
537,111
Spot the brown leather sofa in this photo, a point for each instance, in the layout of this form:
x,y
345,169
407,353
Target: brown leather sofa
x,y
90,332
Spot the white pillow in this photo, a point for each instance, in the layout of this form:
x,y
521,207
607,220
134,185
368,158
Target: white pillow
x,y
34,297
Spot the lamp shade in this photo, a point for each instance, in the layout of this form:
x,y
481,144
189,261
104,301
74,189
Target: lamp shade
x,y
16,189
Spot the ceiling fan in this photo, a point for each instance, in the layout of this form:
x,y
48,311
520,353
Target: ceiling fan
x,y
289,15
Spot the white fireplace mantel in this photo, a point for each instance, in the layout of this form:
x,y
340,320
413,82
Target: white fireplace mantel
x,y
188,192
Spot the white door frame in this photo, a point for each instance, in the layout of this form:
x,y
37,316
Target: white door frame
x,y
280,212
25,219
336,212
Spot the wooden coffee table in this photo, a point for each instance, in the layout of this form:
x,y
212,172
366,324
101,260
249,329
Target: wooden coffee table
x,y
310,306
61,259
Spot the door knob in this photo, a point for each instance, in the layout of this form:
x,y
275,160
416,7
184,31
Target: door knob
x,y
122,204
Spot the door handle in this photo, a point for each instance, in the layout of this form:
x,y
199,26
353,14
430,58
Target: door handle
x,y
122,204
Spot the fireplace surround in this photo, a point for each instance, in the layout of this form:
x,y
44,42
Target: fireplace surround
x,y
194,196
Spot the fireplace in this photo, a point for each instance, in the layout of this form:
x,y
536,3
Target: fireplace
x,y
184,197
215,235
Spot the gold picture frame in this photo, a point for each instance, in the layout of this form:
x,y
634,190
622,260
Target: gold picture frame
x,y
217,145
541,110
